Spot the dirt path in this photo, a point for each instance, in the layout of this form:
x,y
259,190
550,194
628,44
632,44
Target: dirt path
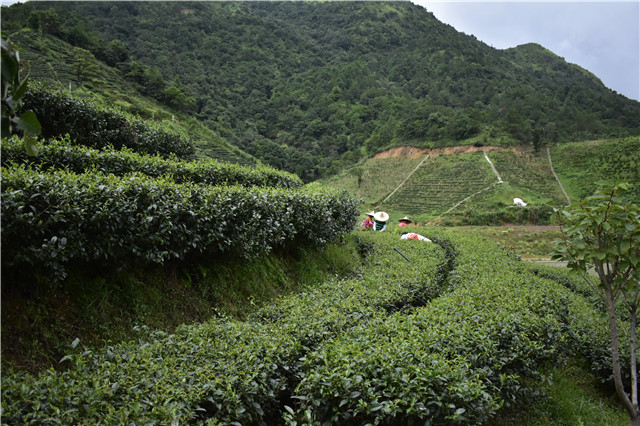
x,y
495,172
556,176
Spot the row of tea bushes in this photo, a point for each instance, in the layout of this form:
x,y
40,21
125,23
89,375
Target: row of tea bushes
x,y
224,371
594,347
334,354
50,220
458,359
62,154
92,126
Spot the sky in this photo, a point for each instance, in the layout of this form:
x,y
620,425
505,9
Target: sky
x,y
600,36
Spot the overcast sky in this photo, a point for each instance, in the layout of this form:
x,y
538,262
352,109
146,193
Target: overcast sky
x,y
602,37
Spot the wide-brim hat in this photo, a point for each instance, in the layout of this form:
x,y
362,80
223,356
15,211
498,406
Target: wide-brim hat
x,y
371,213
406,219
381,217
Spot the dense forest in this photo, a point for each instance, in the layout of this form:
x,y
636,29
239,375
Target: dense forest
x,y
314,87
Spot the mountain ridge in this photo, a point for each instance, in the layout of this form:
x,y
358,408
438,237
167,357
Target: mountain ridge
x,y
313,88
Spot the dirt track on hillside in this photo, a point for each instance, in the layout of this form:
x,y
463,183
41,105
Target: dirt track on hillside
x,y
413,152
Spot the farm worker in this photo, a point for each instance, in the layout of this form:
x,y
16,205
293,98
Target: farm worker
x,y
368,222
414,236
404,222
380,220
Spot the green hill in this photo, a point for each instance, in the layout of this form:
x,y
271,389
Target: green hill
x,y
581,166
82,76
315,87
458,186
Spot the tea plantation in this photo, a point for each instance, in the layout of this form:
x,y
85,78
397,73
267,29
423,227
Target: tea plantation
x,y
454,336
581,166
441,182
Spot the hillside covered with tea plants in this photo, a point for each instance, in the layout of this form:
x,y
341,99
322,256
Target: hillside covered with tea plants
x,y
477,185
109,199
313,88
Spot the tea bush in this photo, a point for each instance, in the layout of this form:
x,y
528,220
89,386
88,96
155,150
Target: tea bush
x,y
62,154
53,219
223,371
402,343
459,358
92,126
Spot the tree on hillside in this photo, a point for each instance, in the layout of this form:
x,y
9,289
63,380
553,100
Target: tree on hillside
x,y
603,233
85,65
47,21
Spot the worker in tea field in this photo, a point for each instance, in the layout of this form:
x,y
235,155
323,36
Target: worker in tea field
x,y
380,219
402,223
368,222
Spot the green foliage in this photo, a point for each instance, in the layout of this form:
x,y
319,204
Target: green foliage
x,y
53,219
327,84
583,166
99,304
14,86
63,154
96,127
603,232
450,338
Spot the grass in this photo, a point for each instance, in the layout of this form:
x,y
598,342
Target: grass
x,y
574,397
581,165
444,181
100,306
530,242
380,176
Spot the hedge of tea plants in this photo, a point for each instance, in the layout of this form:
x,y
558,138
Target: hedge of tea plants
x,y
447,337
223,371
459,358
51,220
96,127
63,154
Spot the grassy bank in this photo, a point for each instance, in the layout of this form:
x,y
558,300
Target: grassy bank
x,y
529,242
100,307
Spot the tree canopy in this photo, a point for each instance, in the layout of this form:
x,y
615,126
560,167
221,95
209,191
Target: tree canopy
x,y
330,83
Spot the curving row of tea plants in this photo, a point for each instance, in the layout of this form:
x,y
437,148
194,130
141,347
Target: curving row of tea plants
x,y
448,337
92,126
54,219
64,154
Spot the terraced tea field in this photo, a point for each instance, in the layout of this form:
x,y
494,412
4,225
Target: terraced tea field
x,y
581,165
460,183
441,182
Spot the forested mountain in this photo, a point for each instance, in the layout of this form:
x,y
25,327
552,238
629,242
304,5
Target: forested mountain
x,y
313,87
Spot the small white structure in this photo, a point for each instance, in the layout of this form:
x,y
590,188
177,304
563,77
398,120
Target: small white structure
x,y
519,202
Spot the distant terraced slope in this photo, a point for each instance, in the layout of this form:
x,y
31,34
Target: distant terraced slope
x,y
528,172
440,183
581,165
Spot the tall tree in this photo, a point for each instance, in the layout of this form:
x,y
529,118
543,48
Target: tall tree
x,y
602,232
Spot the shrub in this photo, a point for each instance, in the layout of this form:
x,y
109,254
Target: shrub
x,y
52,219
62,154
335,354
95,127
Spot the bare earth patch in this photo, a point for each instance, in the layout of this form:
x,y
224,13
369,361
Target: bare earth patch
x,y
413,152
